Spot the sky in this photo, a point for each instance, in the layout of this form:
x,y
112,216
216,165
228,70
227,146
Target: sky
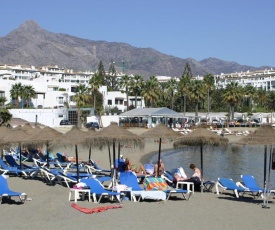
x,y
231,30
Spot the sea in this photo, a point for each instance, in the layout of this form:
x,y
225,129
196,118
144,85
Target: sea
x,y
230,162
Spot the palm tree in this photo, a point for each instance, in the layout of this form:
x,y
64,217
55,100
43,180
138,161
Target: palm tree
x,y
261,97
125,83
196,94
28,93
135,86
95,82
250,92
232,95
150,91
3,100
16,92
271,100
183,89
82,99
208,80
172,87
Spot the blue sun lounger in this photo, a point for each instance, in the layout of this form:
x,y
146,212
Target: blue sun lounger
x,y
229,184
6,192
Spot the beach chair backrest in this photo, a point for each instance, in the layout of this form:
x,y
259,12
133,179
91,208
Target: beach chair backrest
x,y
249,181
129,179
94,185
11,161
228,183
3,183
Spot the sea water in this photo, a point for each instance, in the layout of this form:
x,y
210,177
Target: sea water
x,y
230,162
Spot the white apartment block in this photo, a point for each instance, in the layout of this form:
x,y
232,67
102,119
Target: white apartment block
x,y
55,86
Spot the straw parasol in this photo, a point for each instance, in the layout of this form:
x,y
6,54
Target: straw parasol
x,y
161,132
201,137
73,137
44,136
17,136
4,131
113,134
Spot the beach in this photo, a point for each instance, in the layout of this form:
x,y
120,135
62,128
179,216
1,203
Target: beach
x,y
48,206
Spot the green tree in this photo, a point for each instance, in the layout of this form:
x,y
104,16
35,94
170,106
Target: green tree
x,y
5,116
187,71
111,80
250,93
135,86
261,97
196,94
28,93
232,95
95,82
183,89
82,98
16,92
150,91
172,87
3,100
208,81
101,70
271,100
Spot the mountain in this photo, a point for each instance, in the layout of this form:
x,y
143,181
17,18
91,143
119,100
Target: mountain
x,y
32,45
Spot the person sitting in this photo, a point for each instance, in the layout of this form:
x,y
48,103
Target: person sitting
x,y
196,177
133,168
159,169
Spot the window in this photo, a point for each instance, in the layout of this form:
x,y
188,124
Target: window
x,y
109,102
60,100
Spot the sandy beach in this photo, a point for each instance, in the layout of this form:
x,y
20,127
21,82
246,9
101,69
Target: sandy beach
x,y
49,207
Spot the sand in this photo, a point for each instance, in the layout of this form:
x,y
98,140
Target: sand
x,y
50,208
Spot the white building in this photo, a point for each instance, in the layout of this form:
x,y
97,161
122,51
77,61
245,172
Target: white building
x,y
54,86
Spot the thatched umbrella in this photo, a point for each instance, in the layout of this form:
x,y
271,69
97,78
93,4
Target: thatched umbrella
x,y
113,134
161,132
4,131
17,136
201,137
265,135
71,138
44,136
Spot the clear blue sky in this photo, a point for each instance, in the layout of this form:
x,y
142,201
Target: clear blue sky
x,y
232,30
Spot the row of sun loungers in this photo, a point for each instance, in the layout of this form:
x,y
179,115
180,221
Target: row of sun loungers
x,y
94,178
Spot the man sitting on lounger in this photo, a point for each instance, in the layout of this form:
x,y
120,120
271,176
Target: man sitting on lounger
x,y
159,169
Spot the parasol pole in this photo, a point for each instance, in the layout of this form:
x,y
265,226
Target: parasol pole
x,y
265,158
20,155
267,184
159,156
201,168
90,151
109,149
47,147
77,168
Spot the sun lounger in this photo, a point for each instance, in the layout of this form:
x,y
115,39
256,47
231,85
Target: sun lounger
x,y
5,169
250,184
97,189
6,192
229,184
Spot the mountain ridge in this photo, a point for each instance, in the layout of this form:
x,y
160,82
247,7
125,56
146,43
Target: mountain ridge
x,y
30,44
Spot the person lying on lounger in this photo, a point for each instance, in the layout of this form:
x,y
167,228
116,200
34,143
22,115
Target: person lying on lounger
x,y
132,167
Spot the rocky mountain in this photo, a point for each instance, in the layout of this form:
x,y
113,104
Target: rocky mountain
x,y
32,45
